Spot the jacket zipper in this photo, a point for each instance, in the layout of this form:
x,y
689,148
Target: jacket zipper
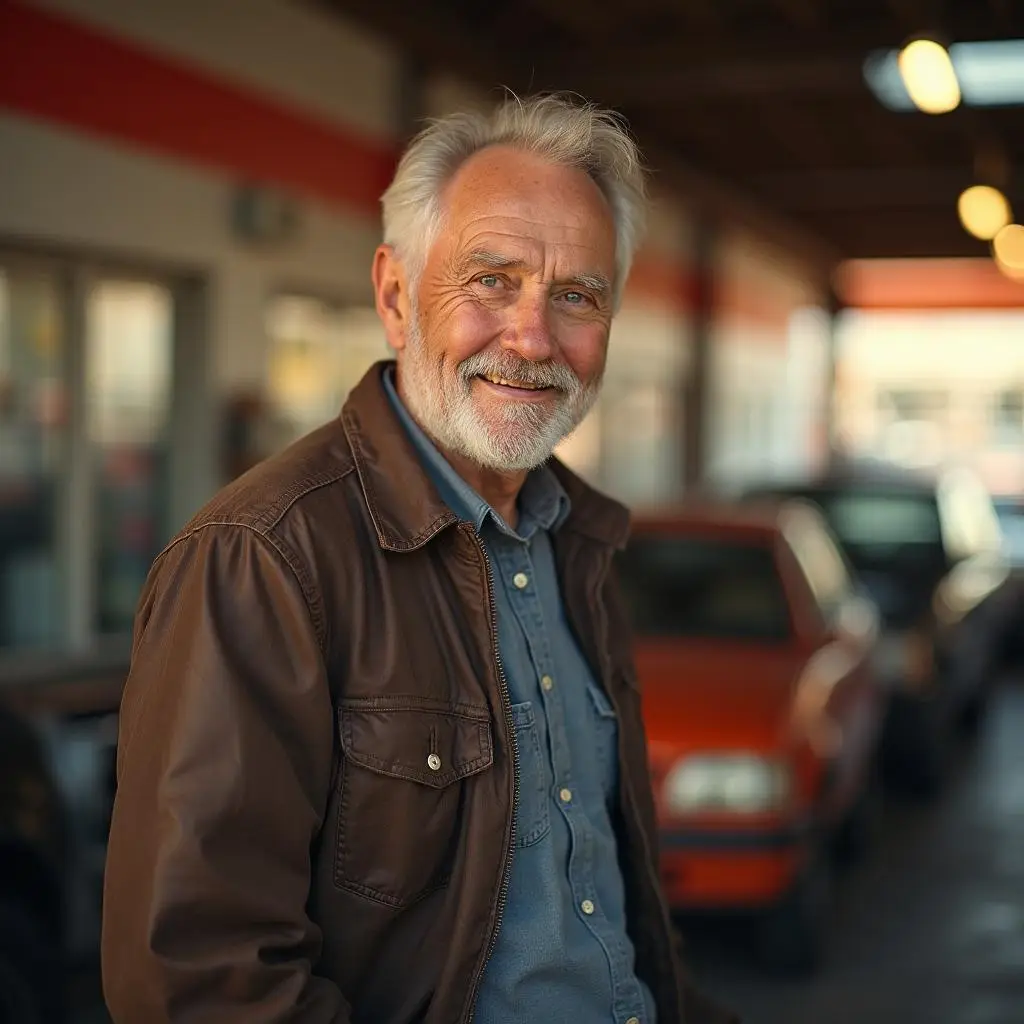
x,y
507,704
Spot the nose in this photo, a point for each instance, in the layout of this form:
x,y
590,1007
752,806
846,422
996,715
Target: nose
x,y
528,333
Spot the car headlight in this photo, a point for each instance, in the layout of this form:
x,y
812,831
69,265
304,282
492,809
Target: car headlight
x,y
743,783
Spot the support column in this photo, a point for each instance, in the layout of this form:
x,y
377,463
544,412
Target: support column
x,y
834,306
411,103
698,378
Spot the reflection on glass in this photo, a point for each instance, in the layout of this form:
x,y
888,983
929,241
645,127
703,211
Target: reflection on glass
x,y
33,435
128,394
318,353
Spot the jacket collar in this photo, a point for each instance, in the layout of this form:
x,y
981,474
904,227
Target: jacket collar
x,y
405,507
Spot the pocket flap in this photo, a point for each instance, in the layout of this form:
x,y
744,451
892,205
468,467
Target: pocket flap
x,y
430,742
602,705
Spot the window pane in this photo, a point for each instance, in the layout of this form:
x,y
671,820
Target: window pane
x,y
318,353
697,587
884,520
33,435
128,395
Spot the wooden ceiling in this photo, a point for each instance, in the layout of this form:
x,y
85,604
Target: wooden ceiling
x,y
759,103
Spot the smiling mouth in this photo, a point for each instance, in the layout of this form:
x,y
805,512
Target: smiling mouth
x,y
518,385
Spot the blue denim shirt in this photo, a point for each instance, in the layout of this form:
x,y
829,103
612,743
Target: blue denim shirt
x,y
562,952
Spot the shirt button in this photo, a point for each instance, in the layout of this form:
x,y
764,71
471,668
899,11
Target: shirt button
x,y
633,1020
433,762
547,683
565,795
520,580
587,907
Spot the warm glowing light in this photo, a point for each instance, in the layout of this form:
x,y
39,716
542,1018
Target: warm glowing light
x,y
929,76
1008,248
984,211
1012,273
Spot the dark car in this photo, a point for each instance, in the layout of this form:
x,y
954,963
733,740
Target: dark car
x,y
929,553
57,749
33,845
1010,509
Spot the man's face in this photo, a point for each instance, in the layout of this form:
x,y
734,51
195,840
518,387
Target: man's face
x,y
506,340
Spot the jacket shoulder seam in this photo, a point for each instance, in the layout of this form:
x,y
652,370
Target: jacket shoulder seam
x,y
314,607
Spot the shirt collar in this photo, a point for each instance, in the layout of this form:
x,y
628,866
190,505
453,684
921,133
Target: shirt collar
x,y
543,501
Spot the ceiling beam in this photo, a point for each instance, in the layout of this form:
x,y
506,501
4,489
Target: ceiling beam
x,y
848,40
441,41
876,188
898,233
801,13
672,84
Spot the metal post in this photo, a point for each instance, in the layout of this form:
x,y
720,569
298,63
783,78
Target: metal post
x,y
698,380
834,306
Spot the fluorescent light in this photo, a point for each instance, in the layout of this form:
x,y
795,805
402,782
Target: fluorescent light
x,y
990,73
928,76
983,211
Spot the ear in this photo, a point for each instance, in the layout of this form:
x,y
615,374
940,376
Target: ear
x,y
391,294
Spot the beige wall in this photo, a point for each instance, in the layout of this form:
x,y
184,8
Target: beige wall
x,y
60,186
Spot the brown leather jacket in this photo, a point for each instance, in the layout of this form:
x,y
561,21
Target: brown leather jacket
x,y
280,850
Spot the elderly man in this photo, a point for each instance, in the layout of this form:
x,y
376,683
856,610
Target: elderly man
x,y
381,754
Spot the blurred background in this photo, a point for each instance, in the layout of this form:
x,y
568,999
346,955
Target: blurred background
x,y
830,302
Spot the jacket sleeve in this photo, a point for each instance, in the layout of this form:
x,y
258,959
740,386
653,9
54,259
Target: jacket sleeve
x,y
224,768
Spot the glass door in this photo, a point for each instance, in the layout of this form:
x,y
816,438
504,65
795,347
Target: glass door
x,y
34,433
106,430
129,340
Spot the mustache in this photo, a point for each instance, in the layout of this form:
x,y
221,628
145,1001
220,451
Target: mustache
x,y
512,367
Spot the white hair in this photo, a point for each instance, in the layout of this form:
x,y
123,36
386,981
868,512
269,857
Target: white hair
x,y
558,128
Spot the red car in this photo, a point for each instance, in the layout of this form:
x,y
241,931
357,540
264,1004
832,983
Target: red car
x,y
754,657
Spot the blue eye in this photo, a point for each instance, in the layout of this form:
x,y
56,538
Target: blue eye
x,y
575,298
489,280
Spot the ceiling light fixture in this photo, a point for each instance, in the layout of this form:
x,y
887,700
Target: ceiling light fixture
x,y
1008,249
984,211
990,73
929,77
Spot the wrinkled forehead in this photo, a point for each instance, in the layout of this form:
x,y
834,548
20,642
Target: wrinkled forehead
x,y
518,204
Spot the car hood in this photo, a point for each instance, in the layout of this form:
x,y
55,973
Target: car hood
x,y
700,695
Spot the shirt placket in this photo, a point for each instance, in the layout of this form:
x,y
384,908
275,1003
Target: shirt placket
x,y
517,566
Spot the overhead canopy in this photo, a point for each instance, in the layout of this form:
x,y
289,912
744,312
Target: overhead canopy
x,y
753,104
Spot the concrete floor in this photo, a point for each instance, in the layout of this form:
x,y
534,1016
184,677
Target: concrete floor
x,y
929,930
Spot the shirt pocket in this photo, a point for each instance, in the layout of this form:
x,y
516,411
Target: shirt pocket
x,y
533,820
605,731
403,766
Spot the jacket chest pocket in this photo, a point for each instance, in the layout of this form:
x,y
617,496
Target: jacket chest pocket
x,y
399,788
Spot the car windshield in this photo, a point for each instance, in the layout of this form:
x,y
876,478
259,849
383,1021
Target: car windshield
x,y
704,588
1011,517
883,520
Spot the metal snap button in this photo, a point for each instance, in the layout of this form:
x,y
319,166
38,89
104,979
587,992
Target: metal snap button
x,y
433,762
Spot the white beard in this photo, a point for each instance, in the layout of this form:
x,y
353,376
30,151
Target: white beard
x,y
520,435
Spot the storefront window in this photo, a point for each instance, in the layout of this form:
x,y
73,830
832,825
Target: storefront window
x,y
129,344
33,436
318,352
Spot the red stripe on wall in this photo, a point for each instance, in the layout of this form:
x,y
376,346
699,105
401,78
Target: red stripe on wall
x,y
928,284
655,278
57,69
